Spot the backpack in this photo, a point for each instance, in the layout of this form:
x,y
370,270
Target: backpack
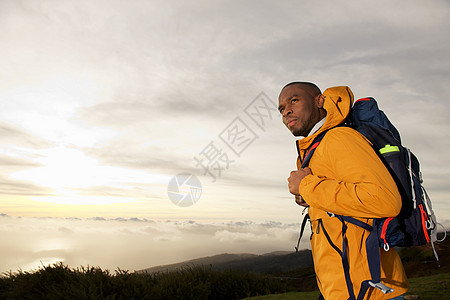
x,y
415,225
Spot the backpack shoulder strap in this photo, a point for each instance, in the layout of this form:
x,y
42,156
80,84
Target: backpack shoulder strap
x,y
305,163
311,149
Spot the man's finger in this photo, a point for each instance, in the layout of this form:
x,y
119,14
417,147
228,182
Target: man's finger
x,y
299,200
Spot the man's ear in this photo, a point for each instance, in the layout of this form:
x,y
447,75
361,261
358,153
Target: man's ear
x,y
320,100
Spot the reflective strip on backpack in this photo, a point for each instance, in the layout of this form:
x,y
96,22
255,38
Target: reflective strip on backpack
x,y
433,225
388,148
432,222
413,194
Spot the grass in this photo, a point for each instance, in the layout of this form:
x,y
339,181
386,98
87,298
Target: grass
x,y
61,282
288,296
431,287
434,287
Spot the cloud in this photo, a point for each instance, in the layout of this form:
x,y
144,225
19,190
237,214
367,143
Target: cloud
x,y
134,190
16,136
130,154
65,230
12,162
132,243
224,236
9,186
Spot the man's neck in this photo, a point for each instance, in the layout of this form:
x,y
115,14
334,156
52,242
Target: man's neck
x,y
315,128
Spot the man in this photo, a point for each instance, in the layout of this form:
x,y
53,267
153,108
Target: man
x,y
344,177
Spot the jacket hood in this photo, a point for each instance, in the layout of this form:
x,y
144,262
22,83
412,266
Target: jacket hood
x,y
338,102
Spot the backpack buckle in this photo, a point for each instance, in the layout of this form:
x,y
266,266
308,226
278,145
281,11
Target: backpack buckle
x,y
379,285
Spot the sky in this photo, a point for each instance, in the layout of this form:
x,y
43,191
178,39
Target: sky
x,y
104,103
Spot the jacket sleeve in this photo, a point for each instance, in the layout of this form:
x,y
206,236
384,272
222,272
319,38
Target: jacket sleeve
x,y
349,178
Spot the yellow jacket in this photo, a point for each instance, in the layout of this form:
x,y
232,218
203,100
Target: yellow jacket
x,y
348,179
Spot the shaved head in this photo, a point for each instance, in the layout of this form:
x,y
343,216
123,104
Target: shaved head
x,y
301,105
308,87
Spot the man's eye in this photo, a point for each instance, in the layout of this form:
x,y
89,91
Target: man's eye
x,y
281,110
294,100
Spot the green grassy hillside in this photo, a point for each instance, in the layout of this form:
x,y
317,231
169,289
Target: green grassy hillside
x,y
434,287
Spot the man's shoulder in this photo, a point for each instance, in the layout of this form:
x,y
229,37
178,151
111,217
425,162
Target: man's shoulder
x,y
342,130
345,134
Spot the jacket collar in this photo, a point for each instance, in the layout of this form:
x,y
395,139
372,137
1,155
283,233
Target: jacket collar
x,y
338,102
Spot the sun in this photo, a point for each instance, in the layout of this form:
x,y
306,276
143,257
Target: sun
x,y
67,171
70,174
64,167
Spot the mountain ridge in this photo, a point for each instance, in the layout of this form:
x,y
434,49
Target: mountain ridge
x,y
272,262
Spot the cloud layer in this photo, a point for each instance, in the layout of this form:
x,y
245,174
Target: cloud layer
x,y
132,243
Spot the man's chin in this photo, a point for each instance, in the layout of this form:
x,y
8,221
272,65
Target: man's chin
x,y
296,133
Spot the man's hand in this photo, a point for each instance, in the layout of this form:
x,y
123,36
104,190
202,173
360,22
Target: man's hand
x,y
295,179
299,200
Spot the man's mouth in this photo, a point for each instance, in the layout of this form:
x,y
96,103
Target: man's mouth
x,y
291,123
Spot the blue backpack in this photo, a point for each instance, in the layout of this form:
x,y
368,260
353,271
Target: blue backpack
x,y
415,225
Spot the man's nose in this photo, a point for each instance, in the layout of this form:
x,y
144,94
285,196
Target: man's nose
x,y
287,111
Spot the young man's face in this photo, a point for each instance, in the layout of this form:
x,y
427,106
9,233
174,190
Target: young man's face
x,y
300,110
